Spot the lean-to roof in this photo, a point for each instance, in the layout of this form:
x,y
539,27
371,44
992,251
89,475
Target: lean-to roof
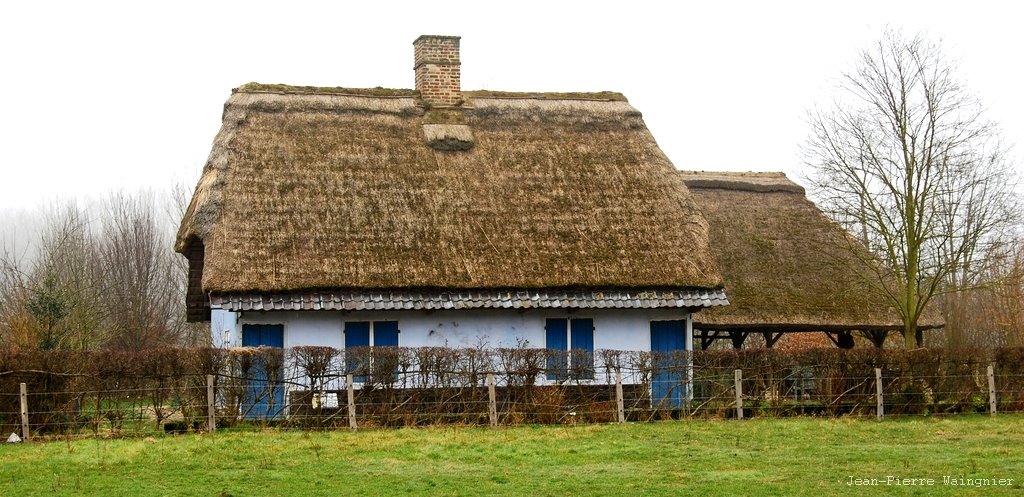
x,y
786,266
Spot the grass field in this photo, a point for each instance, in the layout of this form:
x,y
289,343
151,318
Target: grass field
x,y
786,457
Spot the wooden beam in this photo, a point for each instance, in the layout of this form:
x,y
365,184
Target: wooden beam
x,y
770,338
738,337
844,340
707,338
877,337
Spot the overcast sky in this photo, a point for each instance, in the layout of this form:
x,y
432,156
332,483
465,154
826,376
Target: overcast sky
x,y
100,96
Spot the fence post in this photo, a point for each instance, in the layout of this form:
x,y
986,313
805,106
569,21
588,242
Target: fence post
x,y
992,389
211,404
739,393
492,401
880,408
24,411
619,403
351,403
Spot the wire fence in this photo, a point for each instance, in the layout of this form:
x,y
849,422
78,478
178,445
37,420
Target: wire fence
x,y
183,390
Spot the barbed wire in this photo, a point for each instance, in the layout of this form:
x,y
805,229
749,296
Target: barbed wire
x,y
311,388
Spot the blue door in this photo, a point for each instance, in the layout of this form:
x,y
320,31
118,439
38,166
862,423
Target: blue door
x,y
264,399
668,387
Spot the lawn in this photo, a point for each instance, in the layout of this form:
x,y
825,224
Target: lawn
x,y
791,457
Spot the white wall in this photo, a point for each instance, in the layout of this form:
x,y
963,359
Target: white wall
x,y
618,329
224,328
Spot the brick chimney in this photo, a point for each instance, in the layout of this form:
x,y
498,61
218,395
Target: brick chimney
x,y
437,70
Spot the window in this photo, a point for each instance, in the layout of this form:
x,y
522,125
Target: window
x,y
570,344
360,339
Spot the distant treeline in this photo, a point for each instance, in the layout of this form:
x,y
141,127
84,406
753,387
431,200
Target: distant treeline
x,y
97,275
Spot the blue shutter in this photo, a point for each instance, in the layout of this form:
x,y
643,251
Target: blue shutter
x,y
252,335
557,345
273,335
583,347
357,334
263,335
385,333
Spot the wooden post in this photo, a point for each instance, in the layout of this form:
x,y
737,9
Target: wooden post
x,y
619,403
351,403
24,412
211,404
492,401
880,408
992,389
739,393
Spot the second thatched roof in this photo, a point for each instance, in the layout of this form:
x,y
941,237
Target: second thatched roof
x,y
336,189
786,266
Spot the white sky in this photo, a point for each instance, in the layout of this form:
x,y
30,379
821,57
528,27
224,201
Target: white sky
x,y
100,96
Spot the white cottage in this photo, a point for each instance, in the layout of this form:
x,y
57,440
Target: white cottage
x,y
440,217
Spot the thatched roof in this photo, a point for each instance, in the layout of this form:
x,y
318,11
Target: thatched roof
x,y
343,189
785,264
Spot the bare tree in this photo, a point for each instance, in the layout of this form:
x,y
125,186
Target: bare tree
x,y
1004,301
991,315
67,258
906,160
49,297
14,315
139,274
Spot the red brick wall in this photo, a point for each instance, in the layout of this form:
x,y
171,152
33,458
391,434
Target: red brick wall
x,y
437,70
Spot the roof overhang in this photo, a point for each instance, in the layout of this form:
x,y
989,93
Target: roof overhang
x,y
806,327
484,299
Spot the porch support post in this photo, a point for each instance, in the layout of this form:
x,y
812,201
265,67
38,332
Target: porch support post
x,y
771,337
738,337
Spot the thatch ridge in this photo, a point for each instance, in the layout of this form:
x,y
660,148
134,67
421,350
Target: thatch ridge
x,y
380,92
377,92
785,264
322,190
600,96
